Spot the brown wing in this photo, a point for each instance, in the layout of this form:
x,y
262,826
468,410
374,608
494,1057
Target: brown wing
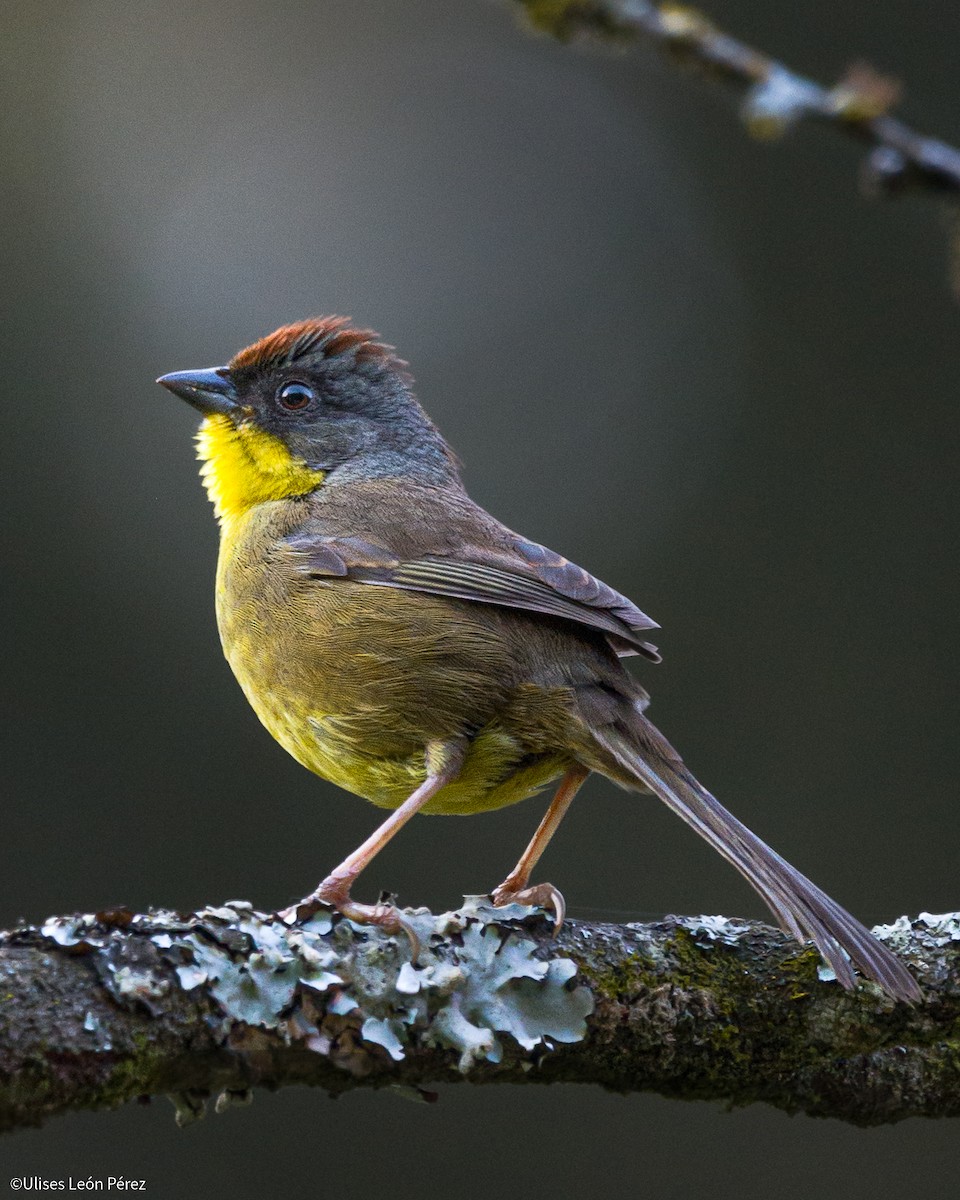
x,y
534,579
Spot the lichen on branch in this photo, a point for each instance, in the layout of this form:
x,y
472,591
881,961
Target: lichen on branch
x,y
100,1009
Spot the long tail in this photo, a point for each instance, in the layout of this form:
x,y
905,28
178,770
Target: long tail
x,y
801,908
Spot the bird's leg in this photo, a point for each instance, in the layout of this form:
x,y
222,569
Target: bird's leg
x,y
516,889
443,761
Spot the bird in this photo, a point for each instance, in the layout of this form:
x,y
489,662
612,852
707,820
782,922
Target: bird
x,y
399,641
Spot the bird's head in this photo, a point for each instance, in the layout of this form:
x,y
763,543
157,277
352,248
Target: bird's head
x,y
314,402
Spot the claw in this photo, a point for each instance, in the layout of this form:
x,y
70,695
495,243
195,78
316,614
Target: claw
x,y
415,944
541,895
336,894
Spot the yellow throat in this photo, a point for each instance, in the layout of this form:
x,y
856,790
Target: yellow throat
x,y
244,466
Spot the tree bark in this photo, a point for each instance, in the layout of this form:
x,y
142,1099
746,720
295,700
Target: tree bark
x,y
102,1009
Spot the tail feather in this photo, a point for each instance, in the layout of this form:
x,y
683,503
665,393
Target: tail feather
x,y
802,910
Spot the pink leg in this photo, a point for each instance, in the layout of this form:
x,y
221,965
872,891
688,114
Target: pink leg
x,y
515,888
443,765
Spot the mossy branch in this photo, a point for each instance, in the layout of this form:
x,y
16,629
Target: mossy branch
x,y
96,1011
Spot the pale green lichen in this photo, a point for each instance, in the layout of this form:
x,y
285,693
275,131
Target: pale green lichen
x,y
342,990
935,929
492,981
384,1033
707,931
919,942
259,985
478,975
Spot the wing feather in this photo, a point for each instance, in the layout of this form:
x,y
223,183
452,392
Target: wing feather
x,y
533,580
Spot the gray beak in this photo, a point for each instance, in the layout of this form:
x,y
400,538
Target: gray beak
x,y
210,391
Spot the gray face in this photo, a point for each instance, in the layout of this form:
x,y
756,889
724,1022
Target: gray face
x,y
351,413
332,411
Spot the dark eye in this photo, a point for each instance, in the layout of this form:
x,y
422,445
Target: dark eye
x,y
294,396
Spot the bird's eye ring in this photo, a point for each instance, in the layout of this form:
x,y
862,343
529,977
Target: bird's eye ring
x,y
295,396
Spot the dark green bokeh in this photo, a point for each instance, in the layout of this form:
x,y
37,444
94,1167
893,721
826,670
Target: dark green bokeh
x,y
703,368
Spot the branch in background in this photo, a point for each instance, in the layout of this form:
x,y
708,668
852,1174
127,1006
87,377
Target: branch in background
x,y
99,1010
776,97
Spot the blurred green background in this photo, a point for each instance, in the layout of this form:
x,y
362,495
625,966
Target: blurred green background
x,y
704,368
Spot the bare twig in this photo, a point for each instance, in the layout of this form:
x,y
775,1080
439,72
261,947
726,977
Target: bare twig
x,y
776,96
98,1010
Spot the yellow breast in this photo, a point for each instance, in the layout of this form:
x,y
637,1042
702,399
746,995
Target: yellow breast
x,y
244,470
243,466
491,776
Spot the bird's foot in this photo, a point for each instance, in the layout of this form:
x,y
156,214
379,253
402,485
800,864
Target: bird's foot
x,y
541,895
335,893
